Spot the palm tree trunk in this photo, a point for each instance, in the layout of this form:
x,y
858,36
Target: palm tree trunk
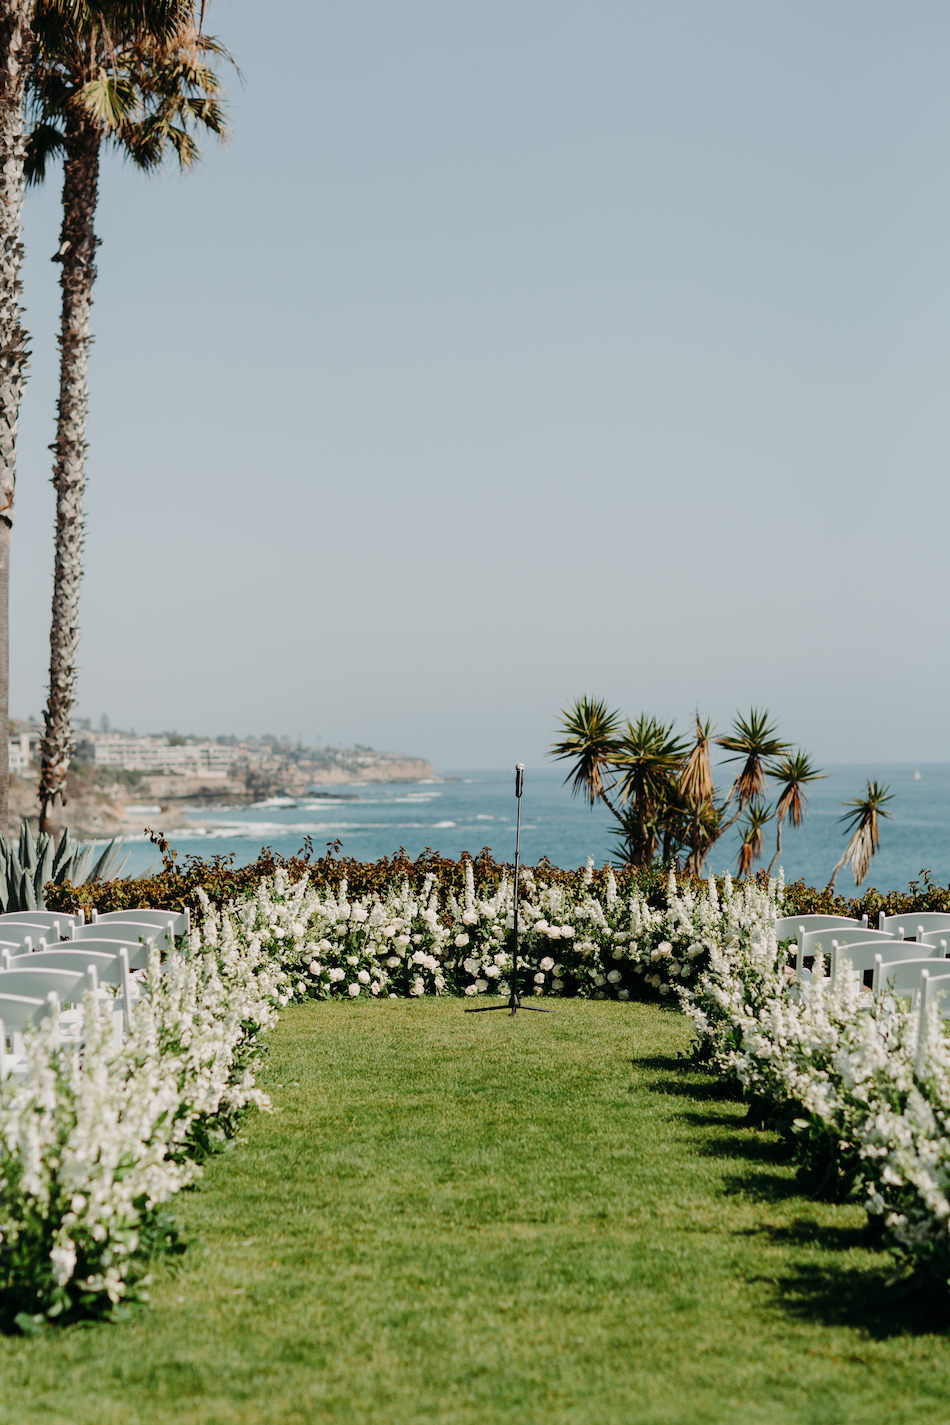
x,y
77,254
834,875
778,850
15,41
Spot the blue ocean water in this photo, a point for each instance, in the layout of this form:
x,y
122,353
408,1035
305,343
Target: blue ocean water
x,y
478,809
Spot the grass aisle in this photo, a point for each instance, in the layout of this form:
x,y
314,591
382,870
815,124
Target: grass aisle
x,y
464,1219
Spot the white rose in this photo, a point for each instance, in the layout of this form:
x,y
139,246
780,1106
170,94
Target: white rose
x,y
470,967
598,979
470,990
324,945
417,940
557,984
393,961
623,994
418,957
389,930
353,990
547,963
315,967
493,972
336,974
539,979
553,932
417,988
352,959
481,986
358,913
363,977
618,953
375,987
402,941
614,977
461,941
470,917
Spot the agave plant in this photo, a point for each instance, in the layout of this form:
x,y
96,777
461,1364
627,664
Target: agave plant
x,y
27,867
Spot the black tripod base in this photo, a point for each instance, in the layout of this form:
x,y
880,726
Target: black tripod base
x,y
513,1003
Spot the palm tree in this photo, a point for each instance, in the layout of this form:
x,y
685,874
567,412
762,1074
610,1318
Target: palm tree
x,y
792,773
754,743
591,740
15,45
651,759
136,77
866,838
757,817
699,792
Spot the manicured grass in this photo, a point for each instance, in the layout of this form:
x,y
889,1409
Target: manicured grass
x,y
463,1218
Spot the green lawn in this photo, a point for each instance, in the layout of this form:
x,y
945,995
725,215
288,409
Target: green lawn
x,y
464,1218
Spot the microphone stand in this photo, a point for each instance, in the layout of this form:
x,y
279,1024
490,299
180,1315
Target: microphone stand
x,y
514,999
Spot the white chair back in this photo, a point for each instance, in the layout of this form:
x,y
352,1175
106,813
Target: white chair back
x,y
914,924
15,932
53,922
68,985
791,927
903,975
136,953
818,942
181,920
131,932
864,956
105,967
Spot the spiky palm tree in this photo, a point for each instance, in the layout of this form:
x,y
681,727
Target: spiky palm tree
x,y
15,46
757,818
590,738
753,742
699,792
135,77
792,773
866,834
650,759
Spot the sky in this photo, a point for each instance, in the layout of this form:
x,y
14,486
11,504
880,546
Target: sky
x,y
513,351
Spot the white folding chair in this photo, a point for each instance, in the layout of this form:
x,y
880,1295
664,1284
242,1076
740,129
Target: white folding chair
x,y
819,942
914,924
901,975
68,985
864,956
792,927
932,987
52,923
132,932
181,920
16,1012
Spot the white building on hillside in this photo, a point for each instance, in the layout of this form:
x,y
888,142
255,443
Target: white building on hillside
x,y
208,760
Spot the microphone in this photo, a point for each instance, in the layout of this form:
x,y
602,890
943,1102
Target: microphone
x,y
519,778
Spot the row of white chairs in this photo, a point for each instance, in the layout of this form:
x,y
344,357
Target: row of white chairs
x,y
70,958
890,958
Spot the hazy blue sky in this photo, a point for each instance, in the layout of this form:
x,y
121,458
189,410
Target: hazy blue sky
x,y
513,351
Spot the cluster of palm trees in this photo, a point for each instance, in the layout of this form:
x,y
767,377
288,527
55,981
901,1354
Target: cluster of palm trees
x,y
659,787
78,77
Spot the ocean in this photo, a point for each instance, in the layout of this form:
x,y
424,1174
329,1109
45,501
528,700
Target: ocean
x,y
470,810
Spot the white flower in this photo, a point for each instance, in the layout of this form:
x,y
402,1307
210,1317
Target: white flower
x,y
352,959
568,932
402,941
419,957
461,941
614,977
470,990
417,940
315,967
471,967
375,987
618,953
324,946
337,974
547,963
363,977
492,972
353,990
481,986
470,917
598,979
557,984
392,961
623,994
417,988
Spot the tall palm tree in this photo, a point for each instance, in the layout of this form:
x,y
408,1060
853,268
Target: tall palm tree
x,y
757,817
135,77
590,740
15,44
651,760
699,792
792,773
753,742
866,838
